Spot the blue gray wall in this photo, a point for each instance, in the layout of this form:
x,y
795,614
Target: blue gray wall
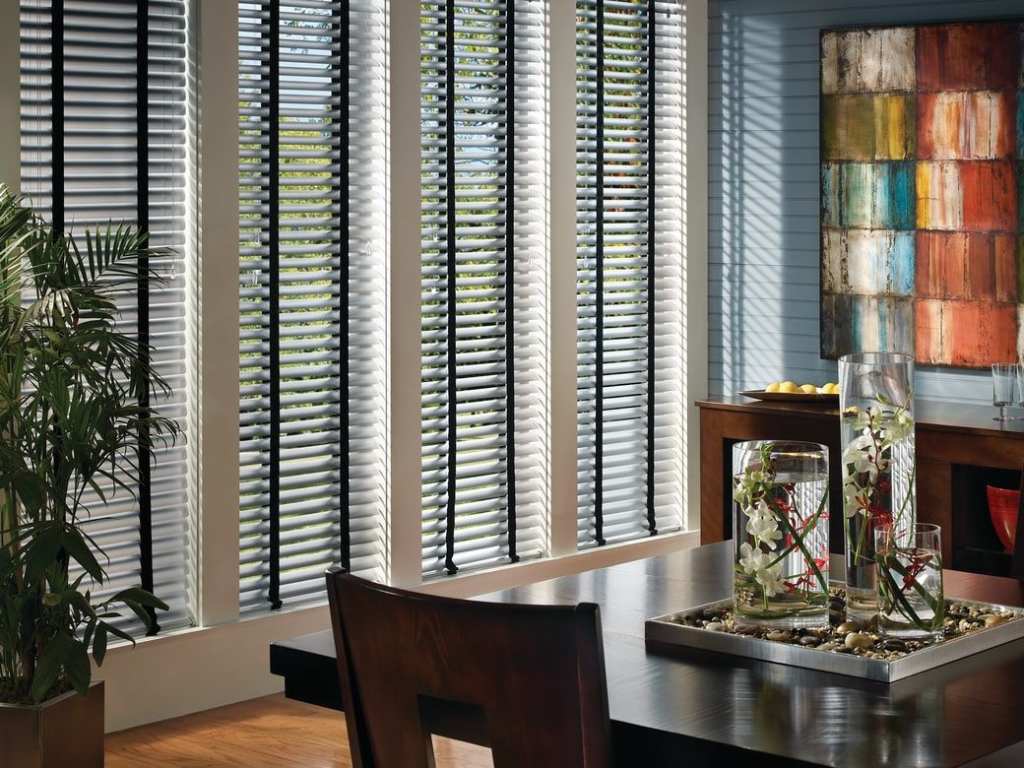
x,y
763,174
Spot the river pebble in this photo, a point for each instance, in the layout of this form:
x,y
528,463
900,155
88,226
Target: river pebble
x,y
856,640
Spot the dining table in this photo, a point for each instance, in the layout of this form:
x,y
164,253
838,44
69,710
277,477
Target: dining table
x,y
675,706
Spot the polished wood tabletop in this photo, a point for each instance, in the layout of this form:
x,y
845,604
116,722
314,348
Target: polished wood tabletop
x,y
703,707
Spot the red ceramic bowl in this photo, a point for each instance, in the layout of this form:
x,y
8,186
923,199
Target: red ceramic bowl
x,y
1002,508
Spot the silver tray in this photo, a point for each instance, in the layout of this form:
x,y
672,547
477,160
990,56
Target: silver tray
x,y
664,634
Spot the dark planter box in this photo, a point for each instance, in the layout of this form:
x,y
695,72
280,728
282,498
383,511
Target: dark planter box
x,y
60,733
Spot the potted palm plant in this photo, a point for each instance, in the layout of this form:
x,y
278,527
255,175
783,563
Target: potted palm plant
x,y
70,427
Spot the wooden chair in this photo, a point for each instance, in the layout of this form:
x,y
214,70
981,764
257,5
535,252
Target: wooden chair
x,y
526,681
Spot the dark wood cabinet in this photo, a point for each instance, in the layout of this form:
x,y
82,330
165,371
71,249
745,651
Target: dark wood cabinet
x,y
960,450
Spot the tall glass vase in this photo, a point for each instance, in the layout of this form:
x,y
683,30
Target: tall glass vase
x,y
781,534
876,403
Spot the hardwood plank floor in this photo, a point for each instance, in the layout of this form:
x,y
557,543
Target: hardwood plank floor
x,y
271,732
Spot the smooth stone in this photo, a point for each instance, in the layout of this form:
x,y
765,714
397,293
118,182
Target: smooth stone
x,y
829,646
779,635
995,619
859,640
965,625
809,640
847,627
714,626
894,645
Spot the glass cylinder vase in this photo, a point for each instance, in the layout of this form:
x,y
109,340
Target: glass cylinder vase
x,y
780,531
877,440
911,603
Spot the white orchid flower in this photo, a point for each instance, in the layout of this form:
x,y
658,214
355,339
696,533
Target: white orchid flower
x,y
759,509
865,463
764,528
770,580
853,495
752,560
898,428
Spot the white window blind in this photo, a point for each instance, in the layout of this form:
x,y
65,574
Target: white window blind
x,y
103,139
629,105
313,197
484,293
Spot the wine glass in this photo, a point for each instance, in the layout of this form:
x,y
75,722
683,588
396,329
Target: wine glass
x,y
1005,387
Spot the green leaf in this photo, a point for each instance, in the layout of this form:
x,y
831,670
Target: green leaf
x,y
140,597
117,632
99,644
144,615
42,550
77,666
79,551
50,663
30,489
87,634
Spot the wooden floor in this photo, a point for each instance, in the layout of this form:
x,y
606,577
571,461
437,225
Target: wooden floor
x,y
272,732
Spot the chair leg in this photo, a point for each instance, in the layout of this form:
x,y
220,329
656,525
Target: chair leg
x,y
429,745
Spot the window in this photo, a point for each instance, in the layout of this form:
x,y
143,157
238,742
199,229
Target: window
x,y
111,131
629,101
483,283
103,138
313,270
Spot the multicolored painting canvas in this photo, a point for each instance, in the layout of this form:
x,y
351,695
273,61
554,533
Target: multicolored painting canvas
x,y
922,130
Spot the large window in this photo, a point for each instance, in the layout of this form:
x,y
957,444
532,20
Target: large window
x,y
313,367
483,282
629,102
103,139
113,120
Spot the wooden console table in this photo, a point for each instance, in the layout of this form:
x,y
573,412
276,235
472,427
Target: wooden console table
x,y
960,450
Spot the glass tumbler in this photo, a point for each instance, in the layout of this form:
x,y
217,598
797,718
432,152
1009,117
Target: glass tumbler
x,y
911,603
1006,387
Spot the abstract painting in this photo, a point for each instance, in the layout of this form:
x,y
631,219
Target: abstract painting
x,y
922,131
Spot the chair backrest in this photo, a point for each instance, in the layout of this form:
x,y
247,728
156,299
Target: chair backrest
x,y
532,677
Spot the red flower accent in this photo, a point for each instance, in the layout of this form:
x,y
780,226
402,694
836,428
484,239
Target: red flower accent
x,y
914,568
880,516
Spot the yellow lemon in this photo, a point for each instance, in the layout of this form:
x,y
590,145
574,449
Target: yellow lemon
x,y
789,387
808,389
773,387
